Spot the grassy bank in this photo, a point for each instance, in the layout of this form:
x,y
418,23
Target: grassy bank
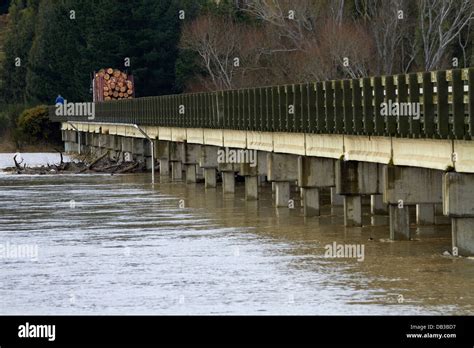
x,y
9,145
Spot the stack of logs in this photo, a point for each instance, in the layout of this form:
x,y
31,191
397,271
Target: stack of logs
x,y
116,84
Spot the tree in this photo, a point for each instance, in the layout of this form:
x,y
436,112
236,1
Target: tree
x,y
441,22
20,34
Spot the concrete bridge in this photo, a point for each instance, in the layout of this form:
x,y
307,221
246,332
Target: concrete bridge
x,y
332,135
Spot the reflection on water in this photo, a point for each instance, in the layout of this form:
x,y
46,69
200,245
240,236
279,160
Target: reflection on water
x,y
114,244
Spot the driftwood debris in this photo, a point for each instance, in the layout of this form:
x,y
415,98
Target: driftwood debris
x,y
101,164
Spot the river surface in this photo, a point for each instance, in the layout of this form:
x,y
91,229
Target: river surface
x,y
117,245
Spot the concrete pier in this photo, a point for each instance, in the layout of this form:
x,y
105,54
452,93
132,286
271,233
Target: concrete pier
x,y
353,180
352,211
282,170
282,194
393,189
310,196
228,182
407,186
162,150
377,205
251,188
208,161
425,214
458,197
177,170
210,180
190,170
399,222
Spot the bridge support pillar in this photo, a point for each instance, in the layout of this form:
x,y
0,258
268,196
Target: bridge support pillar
x,y
353,180
282,169
407,186
127,147
377,206
310,196
336,199
162,149
314,173
210,180
250,172
251,188
190,170
282,193
458,203
399,222
425,214
227,171
208,161
228,182
191,158
176,170
177,157
352,210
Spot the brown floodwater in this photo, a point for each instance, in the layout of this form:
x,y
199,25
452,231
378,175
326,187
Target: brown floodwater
x,y
118,245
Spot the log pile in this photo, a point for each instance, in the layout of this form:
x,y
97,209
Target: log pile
x,y
101,164
113,84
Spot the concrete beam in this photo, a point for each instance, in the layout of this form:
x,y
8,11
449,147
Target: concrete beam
x,y
458,195
316,172
208,158
177,152
358,178
282,167
192,153
412,185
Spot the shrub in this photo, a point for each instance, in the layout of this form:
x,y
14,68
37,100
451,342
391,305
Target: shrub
x,y
34,126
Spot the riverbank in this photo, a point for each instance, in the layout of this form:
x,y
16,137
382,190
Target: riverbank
x,y
8,145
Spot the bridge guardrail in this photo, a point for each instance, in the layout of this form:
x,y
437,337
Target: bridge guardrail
x,y
446,100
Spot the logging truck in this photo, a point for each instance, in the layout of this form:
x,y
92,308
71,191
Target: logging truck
x,y
112,84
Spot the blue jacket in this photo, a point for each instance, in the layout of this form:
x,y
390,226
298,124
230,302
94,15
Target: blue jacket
x,y
59,100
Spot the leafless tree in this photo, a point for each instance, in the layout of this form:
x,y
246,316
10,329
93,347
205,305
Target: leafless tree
x,y
441,21
227,51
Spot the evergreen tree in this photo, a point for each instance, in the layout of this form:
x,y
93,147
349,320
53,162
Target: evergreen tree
x,y
21,31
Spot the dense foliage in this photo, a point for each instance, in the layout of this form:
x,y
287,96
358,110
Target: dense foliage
x,y
51,47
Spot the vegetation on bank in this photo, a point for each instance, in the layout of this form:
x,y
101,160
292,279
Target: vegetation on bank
x,y
50,47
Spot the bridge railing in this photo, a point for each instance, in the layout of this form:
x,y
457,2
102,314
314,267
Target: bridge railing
x,y
445,98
